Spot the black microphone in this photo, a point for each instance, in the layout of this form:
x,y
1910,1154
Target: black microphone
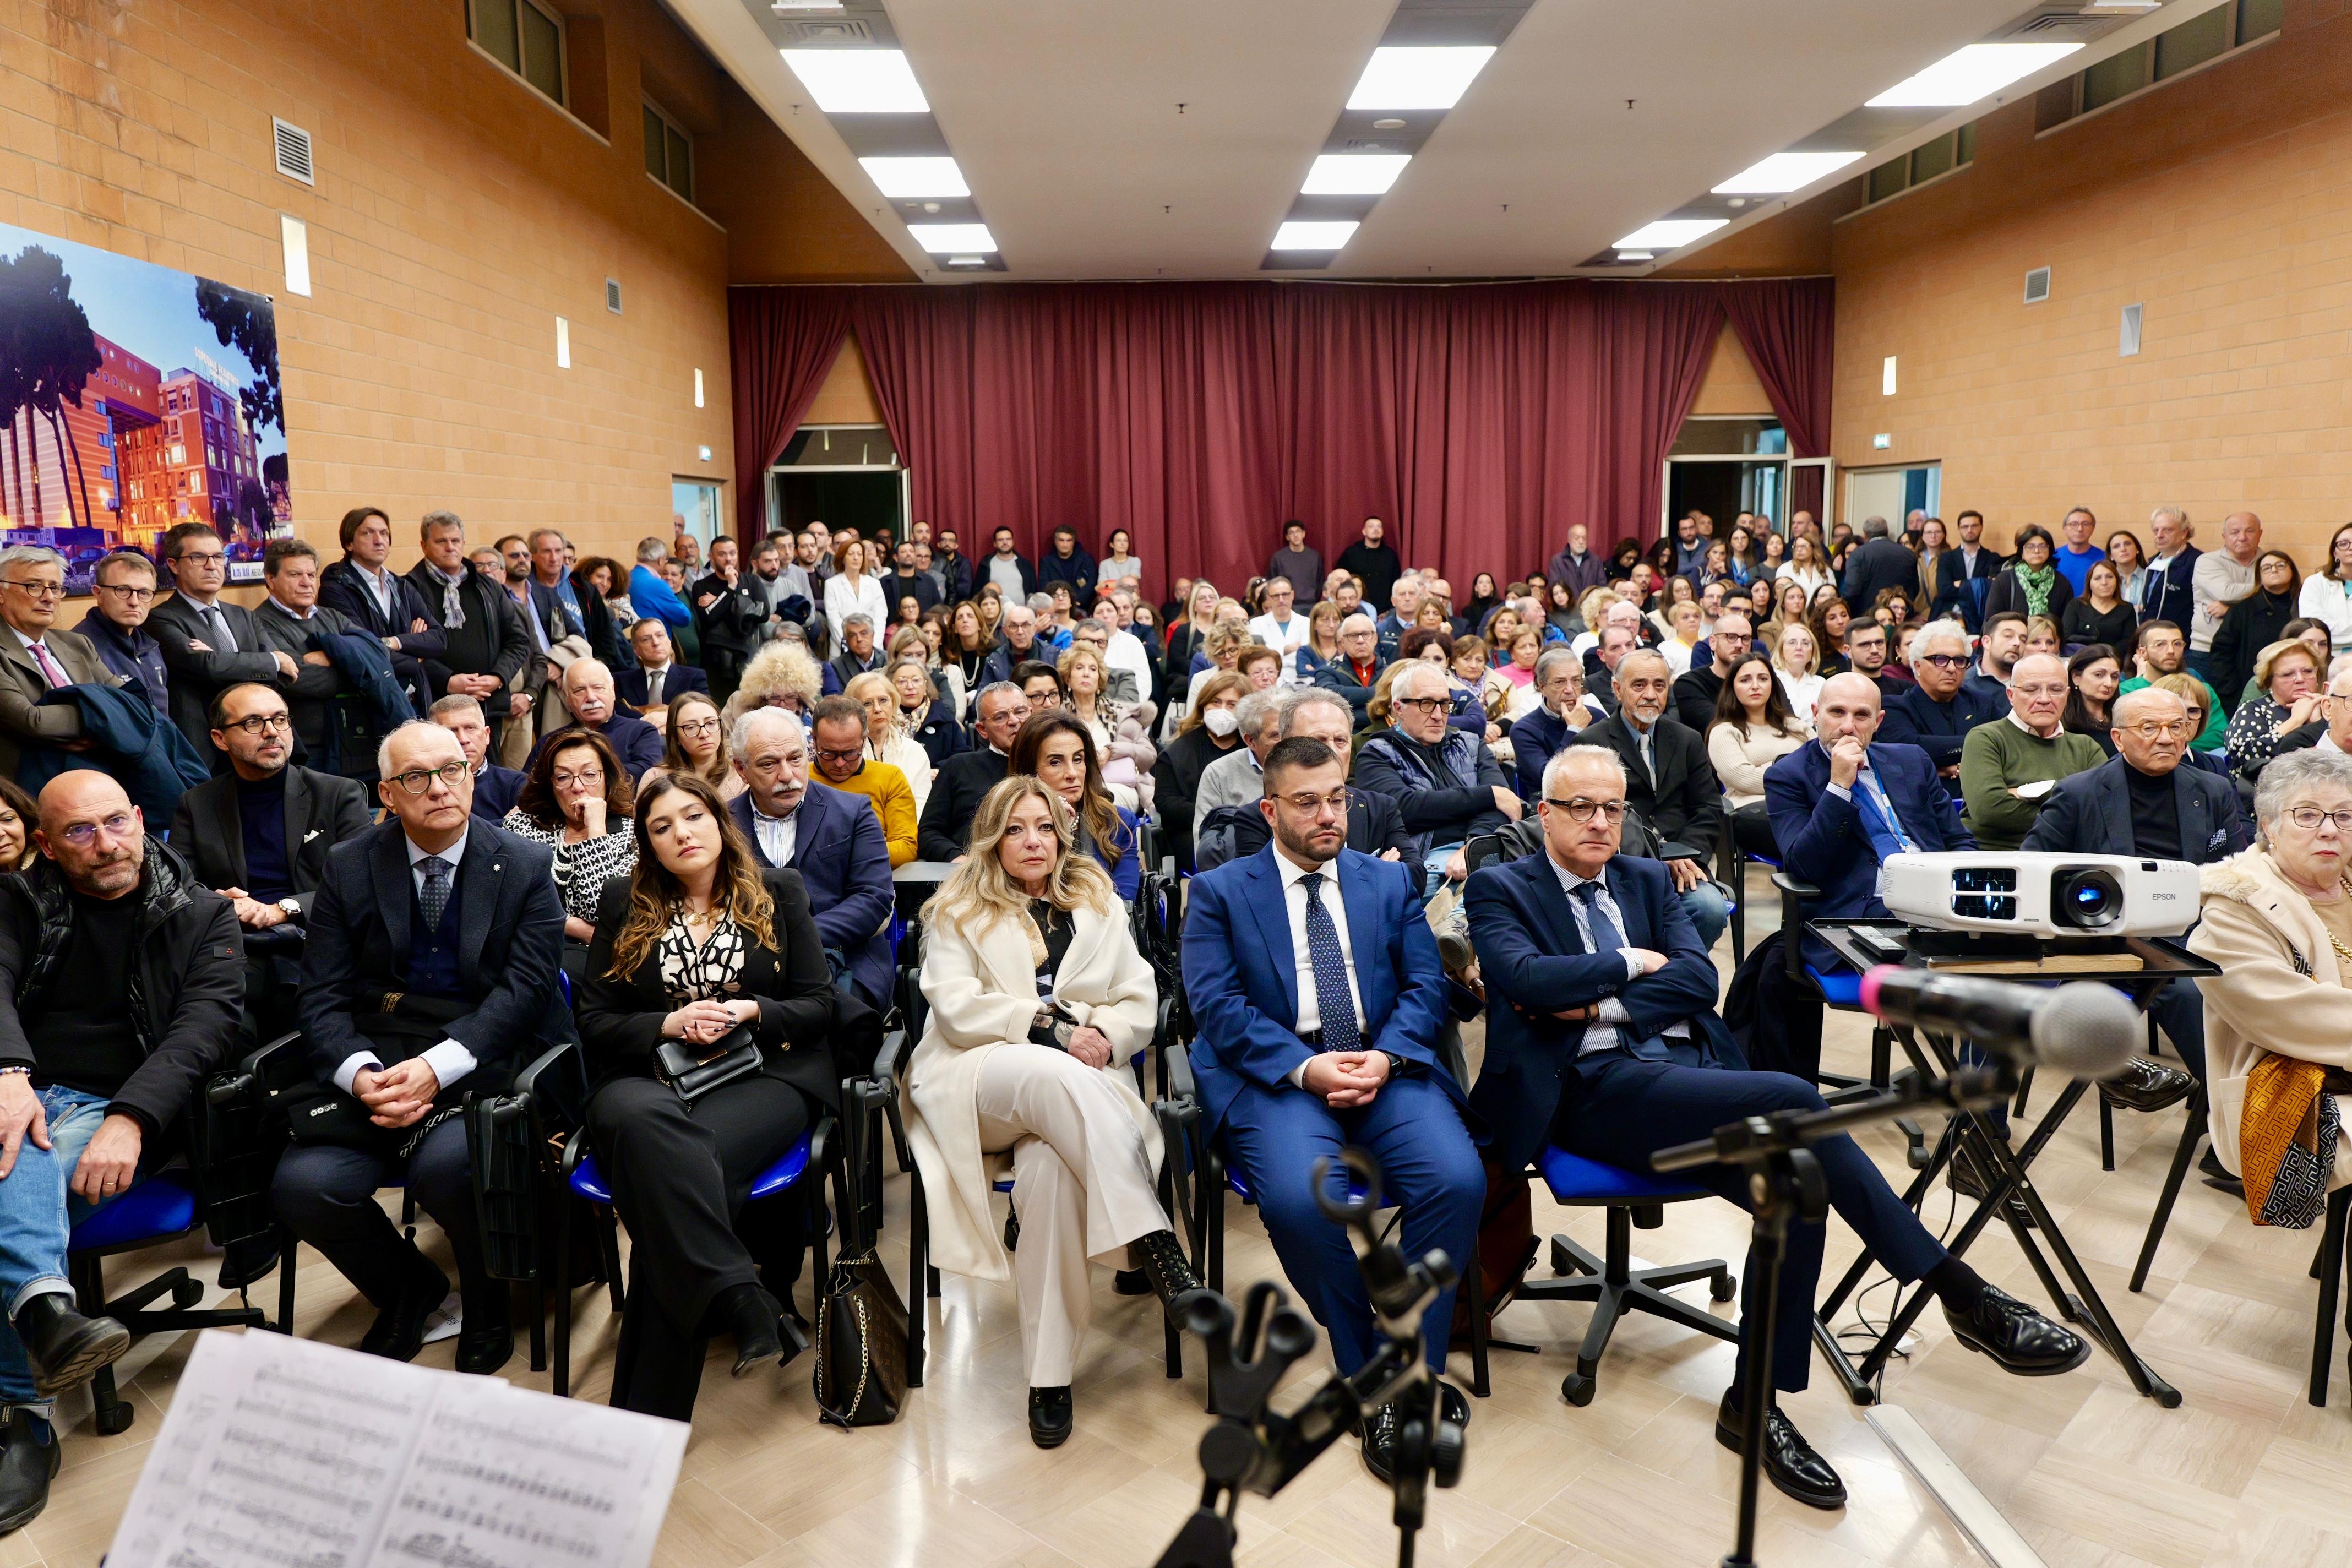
x,y
2084,1029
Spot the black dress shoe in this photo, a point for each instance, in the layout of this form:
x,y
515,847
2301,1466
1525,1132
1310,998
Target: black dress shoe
x,y
1380,1441
754,1319
2208,1165
1170,1272
1789,1462
247,1262
2021,1338
398,1332
483,1348
1452,1406
2143,1085
28,1463
1962,1175
65,1348
1050,1415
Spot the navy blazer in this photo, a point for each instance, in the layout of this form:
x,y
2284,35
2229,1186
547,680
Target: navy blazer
x,y
322,810
1961,587
1912,718
1535,965
637,743
496,790
1241,974
2172,594
844,860
2090,813
1821,834
631,683
510,944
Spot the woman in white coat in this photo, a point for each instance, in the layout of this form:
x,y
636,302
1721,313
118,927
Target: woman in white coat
x,y
1038,1002
852,590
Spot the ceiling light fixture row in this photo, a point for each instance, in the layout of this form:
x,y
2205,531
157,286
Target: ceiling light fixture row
x,y
1428,57
862,82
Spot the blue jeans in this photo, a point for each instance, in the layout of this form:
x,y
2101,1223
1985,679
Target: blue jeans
x,y
37,1220
1434,869
1709,911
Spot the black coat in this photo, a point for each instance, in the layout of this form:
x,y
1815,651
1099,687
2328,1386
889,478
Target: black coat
x,y
2091,814
621,1020
2250,626
2008,594
963,779
322,810
1880,563
197,676
2084,624
310,695
1175,783
734,620
342,590
493,641
1684,801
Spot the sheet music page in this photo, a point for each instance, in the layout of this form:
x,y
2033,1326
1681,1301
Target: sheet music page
x,y
510,1478
276,1453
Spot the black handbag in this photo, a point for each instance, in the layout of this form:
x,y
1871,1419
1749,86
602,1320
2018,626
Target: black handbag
x,y
691,1075
861,1324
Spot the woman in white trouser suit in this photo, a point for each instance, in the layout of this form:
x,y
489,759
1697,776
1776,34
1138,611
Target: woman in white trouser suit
x,y
1038,1002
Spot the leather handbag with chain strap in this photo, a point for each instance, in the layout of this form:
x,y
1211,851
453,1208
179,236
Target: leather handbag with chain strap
x,y
861,1324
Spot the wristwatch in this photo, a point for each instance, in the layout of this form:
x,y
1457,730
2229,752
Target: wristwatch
x,y
1396,1064
290,908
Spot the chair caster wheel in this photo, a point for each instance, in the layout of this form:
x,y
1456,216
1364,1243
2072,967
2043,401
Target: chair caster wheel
x,y
1721,1288
112,1420
187,1293
1576,1389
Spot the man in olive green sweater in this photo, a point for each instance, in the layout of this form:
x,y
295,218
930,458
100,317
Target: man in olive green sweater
x,y
2009,766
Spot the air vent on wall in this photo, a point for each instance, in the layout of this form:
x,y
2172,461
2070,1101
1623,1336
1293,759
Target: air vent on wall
x,y
613,295
2037,286
847,31
2063,25
293,147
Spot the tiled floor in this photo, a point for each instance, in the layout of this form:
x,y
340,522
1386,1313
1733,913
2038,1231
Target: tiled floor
x,y
2243,1473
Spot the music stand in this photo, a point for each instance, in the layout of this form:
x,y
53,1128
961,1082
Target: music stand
x,y
2139,967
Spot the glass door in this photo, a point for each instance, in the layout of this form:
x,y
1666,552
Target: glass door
x,y
694,511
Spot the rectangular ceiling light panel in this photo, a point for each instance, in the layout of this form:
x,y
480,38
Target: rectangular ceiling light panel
x,y
1966,74
1783,173
1669,232
912,178
1418,77
1302,235
1354,173
858,81
942,237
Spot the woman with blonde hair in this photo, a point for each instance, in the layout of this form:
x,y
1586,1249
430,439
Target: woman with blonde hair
x,y
781,675
1085,675
1038,1000
2290,714
1796,660
888,737
695,742
1322,639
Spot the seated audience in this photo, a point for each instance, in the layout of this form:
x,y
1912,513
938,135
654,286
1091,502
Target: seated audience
x,y
2162,650
2100,614
1796,660
1830,621
1940,707
1673,786
1041,683
782,675
587,693
889,728
2278,1022
122,984
927,715
433,942
2042,635
1865,654
1563,709
839,736
998,712
496,789
1603,1039
2144,803
1373,826
2289,715
2000,646
1320,998
1016,644
860,652
1038,1000
39,657
1209,732
1695,693
2093,674
697,942
1446,785
695,742
576,800
652,678
832,839
17,816
1057,749
1236,779
2007,767
122,585
1753,728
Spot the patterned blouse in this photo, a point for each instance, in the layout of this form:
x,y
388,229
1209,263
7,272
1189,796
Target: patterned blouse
x,y
712,971
581,869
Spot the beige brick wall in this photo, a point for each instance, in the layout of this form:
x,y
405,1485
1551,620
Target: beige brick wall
x,y
457,214
2222,203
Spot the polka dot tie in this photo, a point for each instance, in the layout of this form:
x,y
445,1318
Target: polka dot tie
x,y
1332,998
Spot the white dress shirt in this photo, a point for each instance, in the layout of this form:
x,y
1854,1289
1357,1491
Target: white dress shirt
x,y
1600,1035
655,679
383,586
45,651
1294,899
450,1060
778,836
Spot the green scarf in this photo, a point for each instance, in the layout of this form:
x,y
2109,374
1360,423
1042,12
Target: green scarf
x,y
2037,583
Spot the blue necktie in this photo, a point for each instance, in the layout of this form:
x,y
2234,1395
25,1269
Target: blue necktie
x,y
434,898
1606,938
1332,998
1884,839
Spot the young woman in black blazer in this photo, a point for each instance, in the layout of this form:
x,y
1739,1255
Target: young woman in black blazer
x,y
696,941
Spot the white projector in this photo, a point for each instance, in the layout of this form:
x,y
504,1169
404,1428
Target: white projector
x,y
2041,895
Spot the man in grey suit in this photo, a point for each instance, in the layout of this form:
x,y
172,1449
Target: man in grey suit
x,y
36,657
208,644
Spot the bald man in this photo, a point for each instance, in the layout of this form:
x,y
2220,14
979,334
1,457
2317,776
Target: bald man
x,y
120,977
2009,767
587,693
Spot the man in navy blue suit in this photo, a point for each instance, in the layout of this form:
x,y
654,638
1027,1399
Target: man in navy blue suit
x,y
1320,998
1937,713
1602,1038
496,789
655,676
832,839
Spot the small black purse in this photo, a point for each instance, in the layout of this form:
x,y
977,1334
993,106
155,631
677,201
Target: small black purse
x,y
691,1074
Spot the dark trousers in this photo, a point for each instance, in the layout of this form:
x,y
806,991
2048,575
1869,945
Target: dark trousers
x,y
2178,1010
1751,830
724,667
326,1195
1428,1166
679,1174
1622,1109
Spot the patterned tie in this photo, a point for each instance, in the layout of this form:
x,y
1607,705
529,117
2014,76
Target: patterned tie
x,y
1332,998
435,896
1605,937
54,671
219,623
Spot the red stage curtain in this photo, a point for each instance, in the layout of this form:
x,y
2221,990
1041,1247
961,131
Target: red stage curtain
x,y
1477,421
779,357
1786,327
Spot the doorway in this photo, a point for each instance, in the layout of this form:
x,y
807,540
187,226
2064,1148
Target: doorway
x,y
846,476
1892,493
694,507
1723,466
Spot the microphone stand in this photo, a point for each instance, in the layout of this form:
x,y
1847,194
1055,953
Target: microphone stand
x,y
1784,1185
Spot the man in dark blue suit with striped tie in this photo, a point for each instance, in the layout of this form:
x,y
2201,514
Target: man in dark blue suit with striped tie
x,y
1320,997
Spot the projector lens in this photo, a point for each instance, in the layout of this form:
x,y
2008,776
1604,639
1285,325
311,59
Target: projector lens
x,y
2087,899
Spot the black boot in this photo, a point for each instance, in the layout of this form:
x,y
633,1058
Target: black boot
x,y
398,1332
65,1348
28,1463
1163,1259
752,1317
486,1337
1050,1416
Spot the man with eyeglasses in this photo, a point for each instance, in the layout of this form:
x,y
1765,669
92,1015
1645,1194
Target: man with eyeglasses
x,y
433,945
2008,768
1320,999
123,586
1602,1038
291,620
208,644
1939,709
587,691
122,998
837,726
2160,650
37,657
496,789
1672,783
1353,675
1696,690
999,708
834,839
1447,785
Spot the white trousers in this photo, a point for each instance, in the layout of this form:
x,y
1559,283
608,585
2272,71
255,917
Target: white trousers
x,y
1081,1183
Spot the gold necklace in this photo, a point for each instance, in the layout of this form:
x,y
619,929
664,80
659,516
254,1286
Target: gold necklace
x,y
2343,954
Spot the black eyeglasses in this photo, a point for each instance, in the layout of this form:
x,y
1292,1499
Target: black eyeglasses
x,y
257,723
1581,810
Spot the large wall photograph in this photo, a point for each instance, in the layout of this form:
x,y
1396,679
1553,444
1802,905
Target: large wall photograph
x,y
133,399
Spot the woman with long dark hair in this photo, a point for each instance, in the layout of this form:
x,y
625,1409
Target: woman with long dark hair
x,y
2253,623
2100,613
699,946
2327,593
1057,748
576,800
1753,728
2091,677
